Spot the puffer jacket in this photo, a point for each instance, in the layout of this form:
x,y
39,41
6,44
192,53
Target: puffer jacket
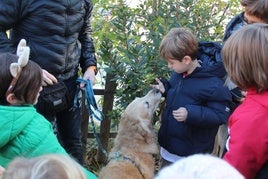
x,y
234,24
26,133
206,99
57,32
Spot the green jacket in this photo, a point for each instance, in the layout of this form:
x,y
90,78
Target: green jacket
x,y
26,133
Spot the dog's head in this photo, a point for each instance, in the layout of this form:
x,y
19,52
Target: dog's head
x,y
142,109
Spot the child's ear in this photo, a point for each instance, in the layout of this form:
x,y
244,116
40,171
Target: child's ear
x,y
187,59
12,99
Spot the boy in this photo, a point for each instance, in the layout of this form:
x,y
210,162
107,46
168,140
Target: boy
x,y
196,100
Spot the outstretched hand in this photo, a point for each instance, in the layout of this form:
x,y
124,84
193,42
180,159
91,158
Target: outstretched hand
x,y
159,86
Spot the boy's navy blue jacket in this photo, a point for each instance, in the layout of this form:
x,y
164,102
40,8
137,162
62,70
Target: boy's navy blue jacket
x,y
206,99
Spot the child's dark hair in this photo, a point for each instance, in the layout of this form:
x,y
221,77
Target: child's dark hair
x,y
258,8
28,84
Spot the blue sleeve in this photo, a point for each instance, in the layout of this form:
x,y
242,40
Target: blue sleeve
x,y
215,112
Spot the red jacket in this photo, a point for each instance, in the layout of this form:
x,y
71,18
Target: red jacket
x,y
248,142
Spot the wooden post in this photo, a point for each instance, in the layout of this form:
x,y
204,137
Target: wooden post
x,y
110,87
84,126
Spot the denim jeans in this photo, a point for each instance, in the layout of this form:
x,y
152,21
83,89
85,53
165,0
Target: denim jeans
x,y
68,124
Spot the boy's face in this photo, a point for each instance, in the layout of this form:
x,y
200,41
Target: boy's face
x,y
250,19
178,66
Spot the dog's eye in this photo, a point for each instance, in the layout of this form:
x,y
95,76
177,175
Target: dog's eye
x,y
156,90
147,103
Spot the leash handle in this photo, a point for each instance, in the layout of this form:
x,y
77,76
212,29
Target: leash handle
x,y
91,106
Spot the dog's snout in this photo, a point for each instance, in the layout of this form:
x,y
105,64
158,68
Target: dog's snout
x,y
156,90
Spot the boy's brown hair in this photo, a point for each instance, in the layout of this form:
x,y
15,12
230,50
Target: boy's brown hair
x,y
28,84
257,8
245,56
177,43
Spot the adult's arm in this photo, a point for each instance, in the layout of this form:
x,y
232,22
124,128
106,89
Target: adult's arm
x,y
11,12
88,59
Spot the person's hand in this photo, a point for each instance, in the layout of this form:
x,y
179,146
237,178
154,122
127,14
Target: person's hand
x,y
2,169
159,86
180,114
48,78
244,93
89,75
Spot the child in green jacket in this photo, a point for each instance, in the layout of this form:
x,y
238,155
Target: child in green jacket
x,y
23,131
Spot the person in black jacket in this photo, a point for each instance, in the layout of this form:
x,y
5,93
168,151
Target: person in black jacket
x,y
197,101
254,11
59,36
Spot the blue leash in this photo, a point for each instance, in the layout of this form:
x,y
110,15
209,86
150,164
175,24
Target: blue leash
x,y
91,106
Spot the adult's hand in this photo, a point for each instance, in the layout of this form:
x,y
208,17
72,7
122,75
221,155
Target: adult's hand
x,y
48,78
89,75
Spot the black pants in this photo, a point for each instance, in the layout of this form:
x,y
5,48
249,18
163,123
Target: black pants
x,y
68,124
263,173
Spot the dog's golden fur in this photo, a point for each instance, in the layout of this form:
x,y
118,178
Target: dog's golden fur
x,y
220,141
132,154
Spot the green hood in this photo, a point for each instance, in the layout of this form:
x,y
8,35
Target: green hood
x,y
13,120
24,132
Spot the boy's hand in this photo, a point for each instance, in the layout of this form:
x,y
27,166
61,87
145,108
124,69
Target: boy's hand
x,y
159,86
180,114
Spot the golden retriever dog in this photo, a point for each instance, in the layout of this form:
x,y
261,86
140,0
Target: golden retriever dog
x,y
220,140
132,154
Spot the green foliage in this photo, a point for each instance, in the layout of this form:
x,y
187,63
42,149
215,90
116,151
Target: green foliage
x,y
127,39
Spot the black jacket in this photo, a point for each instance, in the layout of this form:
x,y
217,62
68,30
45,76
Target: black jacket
x,y
58,33
234,24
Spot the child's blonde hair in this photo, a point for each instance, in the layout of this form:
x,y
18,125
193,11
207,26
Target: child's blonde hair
x,y
245,56
177,43
50,166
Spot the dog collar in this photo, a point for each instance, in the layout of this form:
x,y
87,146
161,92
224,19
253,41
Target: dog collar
x,y
119,157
